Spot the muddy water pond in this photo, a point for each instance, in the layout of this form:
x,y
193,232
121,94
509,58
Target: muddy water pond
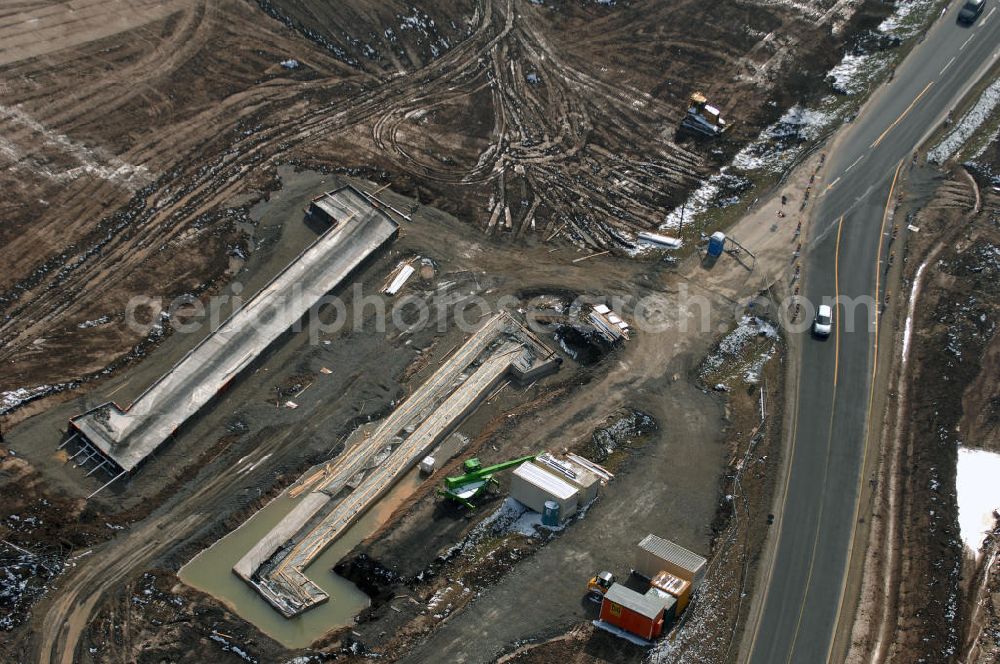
x,y
211,571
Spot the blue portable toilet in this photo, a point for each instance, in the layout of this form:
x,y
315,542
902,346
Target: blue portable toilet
x,y
550,517
716,244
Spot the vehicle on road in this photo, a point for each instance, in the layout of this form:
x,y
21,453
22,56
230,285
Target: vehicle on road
x,y
970,11
823,323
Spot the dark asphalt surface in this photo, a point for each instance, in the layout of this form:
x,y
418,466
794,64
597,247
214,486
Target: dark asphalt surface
x,y
806,582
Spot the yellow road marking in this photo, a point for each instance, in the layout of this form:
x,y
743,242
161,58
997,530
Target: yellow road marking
x,y
836,306
112,392
901,115
829,435
871,401
819,530
878,270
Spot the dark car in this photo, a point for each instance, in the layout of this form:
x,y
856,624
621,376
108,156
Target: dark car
x,y
970,11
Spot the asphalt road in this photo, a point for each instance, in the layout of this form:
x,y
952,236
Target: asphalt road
x,y
806,582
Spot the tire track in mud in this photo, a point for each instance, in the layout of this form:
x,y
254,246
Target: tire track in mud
x,y
170,199
565,170
70,608
211,184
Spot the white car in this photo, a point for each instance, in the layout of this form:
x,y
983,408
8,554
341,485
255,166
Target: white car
x,y
823,323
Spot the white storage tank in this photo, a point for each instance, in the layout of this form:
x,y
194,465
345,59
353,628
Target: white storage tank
x,y
533,485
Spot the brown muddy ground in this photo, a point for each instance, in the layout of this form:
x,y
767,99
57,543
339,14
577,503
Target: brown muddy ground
x,y
165,525
127,156
134,141
921,587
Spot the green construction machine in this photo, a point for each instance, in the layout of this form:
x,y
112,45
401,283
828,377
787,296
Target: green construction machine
x,y
477,479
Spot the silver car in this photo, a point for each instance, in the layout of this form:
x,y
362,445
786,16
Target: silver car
x,y
823,323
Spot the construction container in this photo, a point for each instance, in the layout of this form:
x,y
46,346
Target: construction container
x,y
675,586
427,465
550,517
641,615
533,485
716,244
576,474
656,555
670,611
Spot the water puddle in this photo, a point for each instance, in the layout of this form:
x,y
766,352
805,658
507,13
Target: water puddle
x,y
978,494
211,571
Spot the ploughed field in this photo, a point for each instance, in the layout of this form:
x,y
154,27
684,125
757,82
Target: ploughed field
x,y
133,138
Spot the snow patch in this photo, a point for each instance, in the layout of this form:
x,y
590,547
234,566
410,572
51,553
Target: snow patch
x,y
14,398
968,125
978,494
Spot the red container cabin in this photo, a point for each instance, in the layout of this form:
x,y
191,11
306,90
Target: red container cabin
x,y
642,615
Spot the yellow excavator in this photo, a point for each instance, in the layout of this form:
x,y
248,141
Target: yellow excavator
x,y
599,584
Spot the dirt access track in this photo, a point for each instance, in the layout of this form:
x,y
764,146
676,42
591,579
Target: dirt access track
x,y
131,154
126,158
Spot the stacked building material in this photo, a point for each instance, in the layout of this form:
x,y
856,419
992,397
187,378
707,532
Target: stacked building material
x,y
608,323
675,586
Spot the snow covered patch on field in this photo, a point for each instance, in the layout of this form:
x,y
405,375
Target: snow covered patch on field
x,y
853,73
696,203
92,161
778,145
741,354
95,322
968,125
230,647
511,517
908,18
719,191
24,577
978,494
14,398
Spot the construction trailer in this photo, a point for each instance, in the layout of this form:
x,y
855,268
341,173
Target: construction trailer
x,y
643,615
656,555
585,480
533,485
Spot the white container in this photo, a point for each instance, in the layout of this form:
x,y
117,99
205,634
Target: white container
x,y
427,465
656,554
533,485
